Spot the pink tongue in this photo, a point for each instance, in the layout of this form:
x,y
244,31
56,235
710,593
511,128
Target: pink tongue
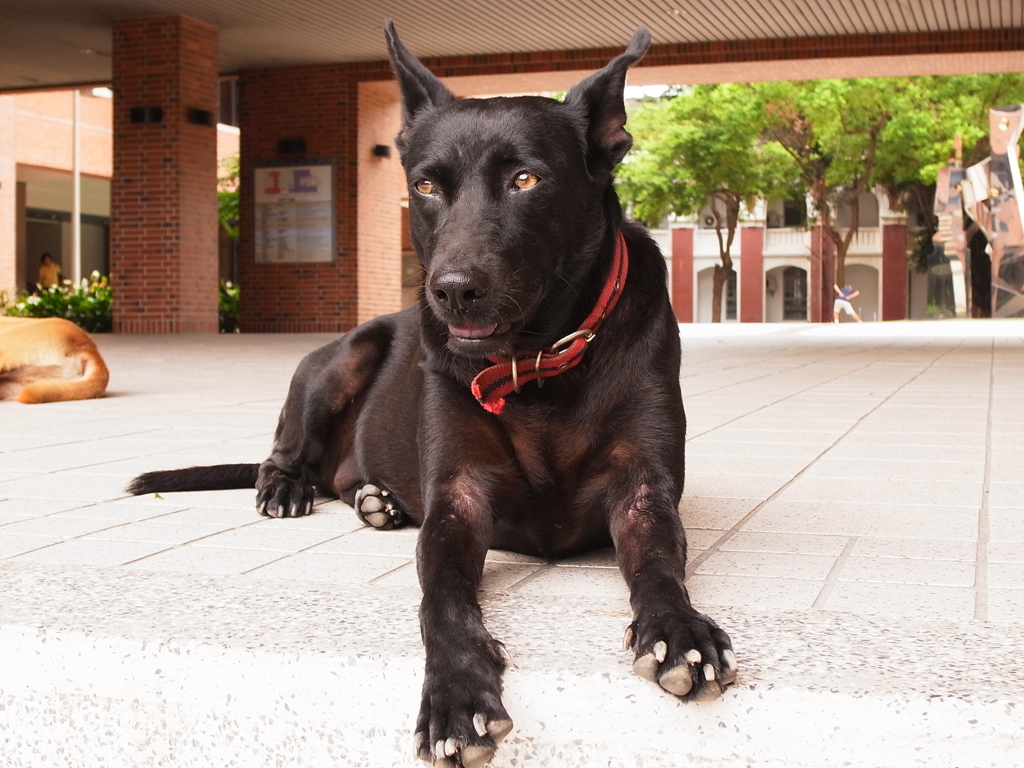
x,y
470,331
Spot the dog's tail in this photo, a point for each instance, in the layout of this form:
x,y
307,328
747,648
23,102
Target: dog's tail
x,y
92,382
220,477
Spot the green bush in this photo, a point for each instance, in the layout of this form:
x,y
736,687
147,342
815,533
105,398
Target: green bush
x,y
87,305
227,195
227,307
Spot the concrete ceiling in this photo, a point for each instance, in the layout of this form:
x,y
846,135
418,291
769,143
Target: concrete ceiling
x,y
46,43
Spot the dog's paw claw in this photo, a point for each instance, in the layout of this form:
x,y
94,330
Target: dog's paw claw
x,y
730,666
375,508
660,649
628,639
480,724
503,653
445,748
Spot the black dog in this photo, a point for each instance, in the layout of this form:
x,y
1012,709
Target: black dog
x,y
530,402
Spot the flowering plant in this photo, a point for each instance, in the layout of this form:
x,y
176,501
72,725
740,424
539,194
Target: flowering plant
x,y
227,307
87,305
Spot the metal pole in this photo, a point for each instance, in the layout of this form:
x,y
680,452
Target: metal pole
x,y
76,192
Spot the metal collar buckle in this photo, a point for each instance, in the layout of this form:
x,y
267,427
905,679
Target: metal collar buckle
x,y
555,349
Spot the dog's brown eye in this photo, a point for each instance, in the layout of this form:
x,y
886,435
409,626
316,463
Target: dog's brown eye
x,y
425,187
526,180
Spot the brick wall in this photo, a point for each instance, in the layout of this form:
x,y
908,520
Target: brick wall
x,y
847,46
319,105
163,233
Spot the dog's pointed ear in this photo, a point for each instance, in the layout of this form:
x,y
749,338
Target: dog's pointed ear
x,y
420,88
599,98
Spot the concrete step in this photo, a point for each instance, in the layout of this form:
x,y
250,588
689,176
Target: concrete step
x,y
107,667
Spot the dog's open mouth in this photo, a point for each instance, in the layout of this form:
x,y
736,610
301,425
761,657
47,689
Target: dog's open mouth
x,y
479,339
471,331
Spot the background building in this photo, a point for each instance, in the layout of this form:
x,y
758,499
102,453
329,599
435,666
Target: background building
x,y
43,126
776,262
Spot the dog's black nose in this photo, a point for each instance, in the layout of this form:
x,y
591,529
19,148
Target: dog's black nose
x,y
459,290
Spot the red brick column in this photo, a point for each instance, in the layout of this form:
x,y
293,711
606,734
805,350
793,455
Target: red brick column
x,y
682,274
163,222
751,274
894,272
317,105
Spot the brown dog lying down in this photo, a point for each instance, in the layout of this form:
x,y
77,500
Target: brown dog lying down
x,y
48,359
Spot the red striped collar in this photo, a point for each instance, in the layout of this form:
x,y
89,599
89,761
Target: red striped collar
x,y
508,374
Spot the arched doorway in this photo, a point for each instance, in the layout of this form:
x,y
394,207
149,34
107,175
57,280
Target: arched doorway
x,y
785,294
706,292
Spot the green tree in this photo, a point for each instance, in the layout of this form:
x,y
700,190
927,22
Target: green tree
x,y
847,136
923,142
966,100
837,132
700,147
227,195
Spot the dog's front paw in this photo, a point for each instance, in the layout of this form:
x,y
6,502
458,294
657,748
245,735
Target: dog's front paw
x,y
684,652
279,495
376,507
461,718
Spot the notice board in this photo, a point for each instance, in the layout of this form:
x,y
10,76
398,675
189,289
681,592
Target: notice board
x,y
294,213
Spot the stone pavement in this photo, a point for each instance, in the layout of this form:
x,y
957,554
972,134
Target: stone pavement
x,y
855,507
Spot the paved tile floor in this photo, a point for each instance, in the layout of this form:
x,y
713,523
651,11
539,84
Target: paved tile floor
x,y
825,466
871,470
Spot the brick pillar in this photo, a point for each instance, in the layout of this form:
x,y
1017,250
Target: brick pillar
x,y
8,199
751,276
163,219
315,106
682,274
894,272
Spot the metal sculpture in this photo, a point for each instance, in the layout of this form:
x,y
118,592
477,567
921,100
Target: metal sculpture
x,y
993,196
